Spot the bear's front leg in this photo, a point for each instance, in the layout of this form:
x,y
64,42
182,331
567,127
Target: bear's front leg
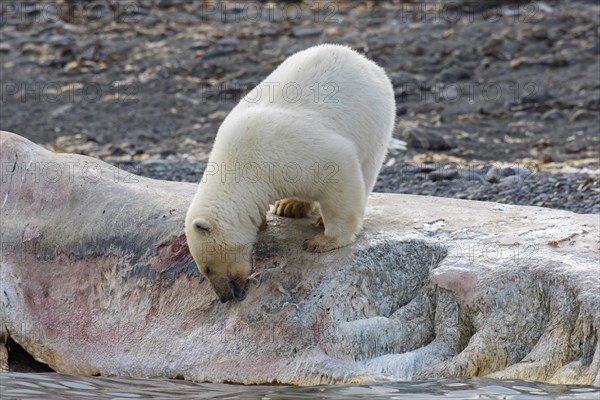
x,y
342,209
339,232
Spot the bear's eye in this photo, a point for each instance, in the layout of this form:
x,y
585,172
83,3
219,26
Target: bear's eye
x,y
207,270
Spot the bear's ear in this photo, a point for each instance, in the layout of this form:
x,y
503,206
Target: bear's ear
x,y
201,225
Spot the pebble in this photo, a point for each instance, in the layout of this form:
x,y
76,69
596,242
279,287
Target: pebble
x,y
5,47
397,144
512,180
574,147
516,170
581,115
553,115
199,44
228,42
454,74
302,32
59,40
523,115
59,111
493,175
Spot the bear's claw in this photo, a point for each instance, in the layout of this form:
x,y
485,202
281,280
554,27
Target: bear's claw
x,y
319,223
291,208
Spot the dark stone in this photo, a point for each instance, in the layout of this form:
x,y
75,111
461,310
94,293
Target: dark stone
x,y
576,147
419,137
167,3
444,174
428,168
228,42
493,175
454,74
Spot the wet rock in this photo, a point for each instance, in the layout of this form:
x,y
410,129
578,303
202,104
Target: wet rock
x,y
420,137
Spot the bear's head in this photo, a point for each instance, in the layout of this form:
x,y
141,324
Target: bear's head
x,y
219,258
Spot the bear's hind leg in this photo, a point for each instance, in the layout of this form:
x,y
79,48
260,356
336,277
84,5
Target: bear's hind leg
x,y
292,208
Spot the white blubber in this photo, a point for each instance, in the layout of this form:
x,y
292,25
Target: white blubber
x,y
311,136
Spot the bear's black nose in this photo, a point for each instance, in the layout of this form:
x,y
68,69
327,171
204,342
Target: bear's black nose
x,y
224,299
237,291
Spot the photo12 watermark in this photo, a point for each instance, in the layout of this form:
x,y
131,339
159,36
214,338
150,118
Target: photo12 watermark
x,y
60,92
267,92
64,172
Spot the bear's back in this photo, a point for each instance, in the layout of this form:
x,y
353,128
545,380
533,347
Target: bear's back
x,y
324,93
327,79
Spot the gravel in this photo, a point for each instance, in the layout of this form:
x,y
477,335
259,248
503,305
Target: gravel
x,y
566,191
146,85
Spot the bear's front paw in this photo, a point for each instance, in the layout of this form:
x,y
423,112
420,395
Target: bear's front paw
x,y
291,208
319,244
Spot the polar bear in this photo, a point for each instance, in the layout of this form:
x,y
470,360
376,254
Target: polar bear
x,y
311,136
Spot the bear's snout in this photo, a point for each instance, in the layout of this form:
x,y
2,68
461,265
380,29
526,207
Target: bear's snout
x,y
238,292
233,290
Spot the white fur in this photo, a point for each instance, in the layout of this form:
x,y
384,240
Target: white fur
x,y
273,130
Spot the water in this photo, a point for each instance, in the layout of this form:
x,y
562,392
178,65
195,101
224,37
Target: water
x,y
15,385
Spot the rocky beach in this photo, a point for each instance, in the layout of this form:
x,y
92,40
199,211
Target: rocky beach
x,y
496,100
